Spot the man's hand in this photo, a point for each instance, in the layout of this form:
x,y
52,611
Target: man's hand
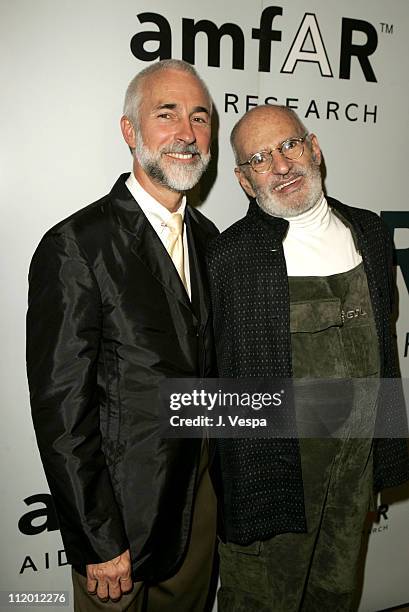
x,y
110,579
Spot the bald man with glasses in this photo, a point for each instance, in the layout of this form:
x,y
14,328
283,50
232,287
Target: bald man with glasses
x,y
302,288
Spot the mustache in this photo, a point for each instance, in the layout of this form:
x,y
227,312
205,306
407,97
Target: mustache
x,y
179,147
291,176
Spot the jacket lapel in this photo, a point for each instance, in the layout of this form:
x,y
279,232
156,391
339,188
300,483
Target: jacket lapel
x,y
197,243
146,246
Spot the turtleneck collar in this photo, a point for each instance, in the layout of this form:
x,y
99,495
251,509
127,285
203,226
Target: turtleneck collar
x,y
318,243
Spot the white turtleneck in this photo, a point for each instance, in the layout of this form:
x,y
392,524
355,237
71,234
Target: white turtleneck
x,y
319,244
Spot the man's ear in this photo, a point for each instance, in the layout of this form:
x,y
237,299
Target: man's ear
x,y
128,132
315,149
244,182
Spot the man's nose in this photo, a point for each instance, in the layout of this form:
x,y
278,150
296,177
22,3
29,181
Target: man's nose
x,y
185,131
280,164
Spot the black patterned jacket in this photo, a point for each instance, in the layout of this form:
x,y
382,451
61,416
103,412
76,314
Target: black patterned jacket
x,y
262,490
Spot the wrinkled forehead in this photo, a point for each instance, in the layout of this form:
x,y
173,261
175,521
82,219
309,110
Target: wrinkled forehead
x,y
174,87
266,128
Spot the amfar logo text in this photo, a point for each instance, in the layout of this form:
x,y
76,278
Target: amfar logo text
x,y
307,45
35,522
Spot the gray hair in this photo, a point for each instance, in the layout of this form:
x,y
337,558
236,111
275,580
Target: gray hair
x,y
289,111
133,96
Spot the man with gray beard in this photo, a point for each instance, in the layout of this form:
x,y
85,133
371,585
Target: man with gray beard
x,y
118,302
302,288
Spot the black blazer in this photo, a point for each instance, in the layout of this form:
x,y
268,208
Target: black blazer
x,y
108,319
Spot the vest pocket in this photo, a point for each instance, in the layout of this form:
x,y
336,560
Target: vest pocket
x,y
317,348
316,315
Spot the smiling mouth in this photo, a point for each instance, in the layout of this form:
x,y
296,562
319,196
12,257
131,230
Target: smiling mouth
x,y
184,156
287,184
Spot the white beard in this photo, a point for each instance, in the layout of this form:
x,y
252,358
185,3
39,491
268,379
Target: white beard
x,y
294,204
171,173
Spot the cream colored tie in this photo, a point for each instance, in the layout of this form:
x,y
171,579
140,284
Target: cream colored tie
x,y
174,244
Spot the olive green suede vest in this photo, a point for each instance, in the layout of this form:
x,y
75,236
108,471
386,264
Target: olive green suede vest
x,y
333,336
333,332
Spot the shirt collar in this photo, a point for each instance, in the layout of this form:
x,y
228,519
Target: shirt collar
x,y
148,204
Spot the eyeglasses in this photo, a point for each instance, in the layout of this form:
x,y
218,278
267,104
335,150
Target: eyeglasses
x,y
261,162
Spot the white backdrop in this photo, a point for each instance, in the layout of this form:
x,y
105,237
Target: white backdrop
x,y
65,66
